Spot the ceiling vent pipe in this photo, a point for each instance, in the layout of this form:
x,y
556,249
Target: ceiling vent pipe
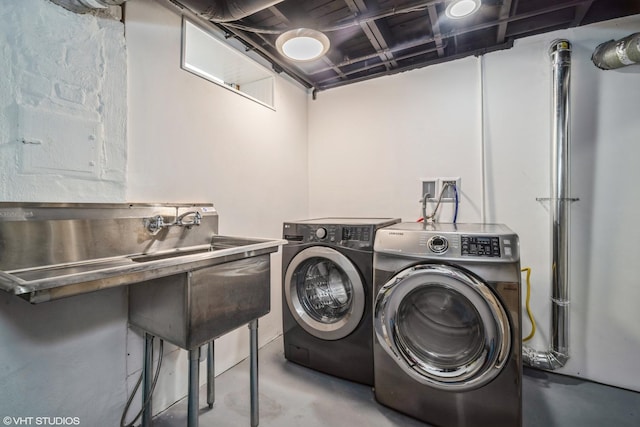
x,y
617,53
558,354
226,10
83,6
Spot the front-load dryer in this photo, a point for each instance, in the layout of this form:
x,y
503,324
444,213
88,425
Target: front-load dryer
x,y
447,344
328,295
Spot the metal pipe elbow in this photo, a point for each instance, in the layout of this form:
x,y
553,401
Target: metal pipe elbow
x,y
549,360
617,53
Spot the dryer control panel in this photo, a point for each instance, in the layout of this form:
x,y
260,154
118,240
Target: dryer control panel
x,y
484,246
471,242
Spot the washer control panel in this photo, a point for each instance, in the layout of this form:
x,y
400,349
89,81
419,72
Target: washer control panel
x,y
494,243
353,233
320,233
353,236
483,246
359,233
334,233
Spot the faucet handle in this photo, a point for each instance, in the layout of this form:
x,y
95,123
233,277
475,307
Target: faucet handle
x,y
154,224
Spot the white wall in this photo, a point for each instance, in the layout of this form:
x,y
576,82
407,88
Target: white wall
x,y
62,138
62,104
397,129
192,140
368,144
65,83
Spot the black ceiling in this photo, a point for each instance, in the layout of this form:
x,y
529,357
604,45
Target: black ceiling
x,y
372,38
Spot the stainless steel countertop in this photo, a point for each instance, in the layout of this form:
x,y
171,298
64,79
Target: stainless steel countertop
x,y
54,250
55,281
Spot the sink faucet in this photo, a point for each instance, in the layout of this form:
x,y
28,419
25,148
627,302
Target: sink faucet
x,y
197,217
157,223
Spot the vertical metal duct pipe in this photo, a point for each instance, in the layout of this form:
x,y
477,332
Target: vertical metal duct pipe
x,y
558,354
83,6
617,54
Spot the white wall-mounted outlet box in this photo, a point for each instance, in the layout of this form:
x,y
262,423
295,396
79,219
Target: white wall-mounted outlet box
x,y
429,186
449,192
434,186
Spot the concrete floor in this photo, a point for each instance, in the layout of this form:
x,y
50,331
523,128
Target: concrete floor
x,y
294,396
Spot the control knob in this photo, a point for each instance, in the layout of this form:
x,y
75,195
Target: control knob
x,y
321,233
438,244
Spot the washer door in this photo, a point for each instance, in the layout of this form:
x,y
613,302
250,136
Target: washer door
x,y
324,292
443,326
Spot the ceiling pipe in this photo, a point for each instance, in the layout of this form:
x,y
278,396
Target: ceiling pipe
x,y
381,63
376,54
83,6
558,354
226,10
617,53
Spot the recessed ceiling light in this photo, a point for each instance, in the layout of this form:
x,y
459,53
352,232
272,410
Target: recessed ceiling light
x,y
302,44
462,8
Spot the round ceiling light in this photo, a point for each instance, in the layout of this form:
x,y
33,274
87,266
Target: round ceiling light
x,y
302,44
462,8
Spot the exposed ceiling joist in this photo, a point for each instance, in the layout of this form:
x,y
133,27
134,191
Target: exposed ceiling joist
x,y
372,38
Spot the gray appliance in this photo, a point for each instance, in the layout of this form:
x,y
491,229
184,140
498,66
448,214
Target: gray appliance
x,y
447,343
328,293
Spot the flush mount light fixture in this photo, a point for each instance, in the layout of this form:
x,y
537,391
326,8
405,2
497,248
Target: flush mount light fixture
x,y
302,44
462,8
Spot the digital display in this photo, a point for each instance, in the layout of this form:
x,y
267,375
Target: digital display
x,y
356,233
481,246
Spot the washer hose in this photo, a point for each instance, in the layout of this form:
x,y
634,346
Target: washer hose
x,y
431,218
135,389
531,319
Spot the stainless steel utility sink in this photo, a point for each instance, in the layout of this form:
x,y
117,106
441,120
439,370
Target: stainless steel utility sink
x,y
51,251
172,254
218,243
225,286
187,284
195,307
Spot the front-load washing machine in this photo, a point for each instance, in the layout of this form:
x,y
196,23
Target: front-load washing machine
x,y
328,295
447,344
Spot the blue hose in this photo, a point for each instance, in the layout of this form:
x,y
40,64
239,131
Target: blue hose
x,y
455,212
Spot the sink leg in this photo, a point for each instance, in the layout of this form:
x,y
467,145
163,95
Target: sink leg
x,y
194,389
211,379
253,328
147,372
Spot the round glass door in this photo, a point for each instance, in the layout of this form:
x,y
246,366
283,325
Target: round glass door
x,y
443,326
324,292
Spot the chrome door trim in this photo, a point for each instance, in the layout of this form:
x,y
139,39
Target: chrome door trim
x,y
497,343
326,331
